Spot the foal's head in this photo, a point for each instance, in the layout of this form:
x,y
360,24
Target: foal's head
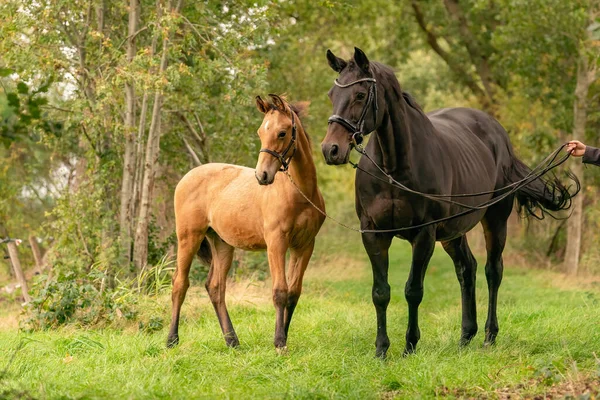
x,y
355,106
278,136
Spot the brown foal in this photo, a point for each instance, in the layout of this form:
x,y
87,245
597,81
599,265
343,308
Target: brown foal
x,y
219,207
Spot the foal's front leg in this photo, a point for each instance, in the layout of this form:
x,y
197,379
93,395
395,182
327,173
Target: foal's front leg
x,y
299,259
423,245
276,249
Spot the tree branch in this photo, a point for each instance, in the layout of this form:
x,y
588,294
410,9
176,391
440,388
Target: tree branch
x,y
454,66
474,50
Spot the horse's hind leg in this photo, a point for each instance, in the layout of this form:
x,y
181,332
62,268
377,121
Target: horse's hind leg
x,y
299,259
423,245
216,284
466,268
494,226
187,245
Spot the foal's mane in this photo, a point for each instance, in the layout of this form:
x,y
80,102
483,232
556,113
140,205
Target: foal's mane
x,y
299,108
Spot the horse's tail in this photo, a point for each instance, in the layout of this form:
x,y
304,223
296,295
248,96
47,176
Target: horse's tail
x,y
204,252
543,194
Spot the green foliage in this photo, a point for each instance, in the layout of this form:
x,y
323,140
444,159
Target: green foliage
x,y
154,324
250,264
68,299
156,279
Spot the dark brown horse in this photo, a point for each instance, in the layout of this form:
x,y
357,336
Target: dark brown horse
x,y
450,151
219,207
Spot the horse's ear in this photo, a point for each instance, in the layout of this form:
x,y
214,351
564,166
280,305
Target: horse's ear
x,y
336,63
262,105
278,102
361,59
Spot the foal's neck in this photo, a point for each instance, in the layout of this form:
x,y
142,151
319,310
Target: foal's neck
x,y
302,166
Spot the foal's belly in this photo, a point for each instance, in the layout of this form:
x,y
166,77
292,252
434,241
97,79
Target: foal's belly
x,y
235,213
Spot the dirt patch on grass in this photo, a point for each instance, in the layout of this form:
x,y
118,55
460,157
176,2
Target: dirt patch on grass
x,y
585,388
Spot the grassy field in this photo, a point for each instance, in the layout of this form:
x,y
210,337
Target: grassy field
x,y
549,343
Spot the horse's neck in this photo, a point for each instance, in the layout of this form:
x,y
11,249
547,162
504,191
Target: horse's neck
x,y
302,166
402,128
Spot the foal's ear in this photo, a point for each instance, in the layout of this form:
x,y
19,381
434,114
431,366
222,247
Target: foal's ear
x,y
361,59
262,105
336,63
279,103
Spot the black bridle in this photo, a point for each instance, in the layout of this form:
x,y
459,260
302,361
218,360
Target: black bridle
x,y
357,129
282,157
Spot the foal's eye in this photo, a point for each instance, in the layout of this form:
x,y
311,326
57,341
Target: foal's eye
x,y
281,134
360,96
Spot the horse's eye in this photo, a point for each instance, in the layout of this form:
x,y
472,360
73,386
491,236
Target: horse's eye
x,y
281,134
360,96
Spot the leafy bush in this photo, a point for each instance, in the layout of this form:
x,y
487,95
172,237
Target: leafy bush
x,y
68,298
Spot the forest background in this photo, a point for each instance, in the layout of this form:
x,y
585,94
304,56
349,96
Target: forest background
x,y
105,105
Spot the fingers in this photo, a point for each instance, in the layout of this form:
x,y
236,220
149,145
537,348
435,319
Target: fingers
x,y
575,148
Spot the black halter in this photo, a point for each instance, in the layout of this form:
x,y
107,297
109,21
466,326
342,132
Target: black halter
x,y
285,161
357,130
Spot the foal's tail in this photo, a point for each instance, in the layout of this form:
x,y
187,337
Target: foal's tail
x,y
204,252
543,194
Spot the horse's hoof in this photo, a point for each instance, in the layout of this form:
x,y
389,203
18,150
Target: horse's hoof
x,y
282,351
232,342
465,341
488,344
172,341
408,350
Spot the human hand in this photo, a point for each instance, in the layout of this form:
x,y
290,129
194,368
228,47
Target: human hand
x,y
576,148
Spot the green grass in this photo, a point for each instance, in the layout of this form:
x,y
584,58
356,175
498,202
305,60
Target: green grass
x,y
549,332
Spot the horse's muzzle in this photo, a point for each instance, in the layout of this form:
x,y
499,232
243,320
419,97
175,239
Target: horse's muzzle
x,y
334,155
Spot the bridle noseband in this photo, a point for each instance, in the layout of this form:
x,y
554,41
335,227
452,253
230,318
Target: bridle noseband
x,y
282,157
357,130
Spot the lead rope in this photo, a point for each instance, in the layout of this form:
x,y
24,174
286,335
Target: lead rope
x,y
318,209
515,186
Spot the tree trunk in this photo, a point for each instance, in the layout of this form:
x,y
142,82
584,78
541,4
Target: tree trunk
x,y
37,254
579,121
16,264
140,251
129,162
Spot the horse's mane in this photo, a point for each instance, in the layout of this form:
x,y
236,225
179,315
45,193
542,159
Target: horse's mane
x,y
299,108
388,78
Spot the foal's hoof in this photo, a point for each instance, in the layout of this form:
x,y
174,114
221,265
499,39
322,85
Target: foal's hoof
x,y
172,341
282,351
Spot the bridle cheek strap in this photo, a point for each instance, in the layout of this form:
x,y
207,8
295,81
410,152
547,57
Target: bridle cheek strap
x,y
357,130
283,157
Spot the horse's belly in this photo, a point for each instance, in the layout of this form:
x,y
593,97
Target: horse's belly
x,y
386,213
453,229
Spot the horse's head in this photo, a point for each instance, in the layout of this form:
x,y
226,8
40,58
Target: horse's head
x,y
278,134
355,106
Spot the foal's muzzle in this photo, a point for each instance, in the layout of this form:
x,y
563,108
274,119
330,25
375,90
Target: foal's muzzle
x,y
264,178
